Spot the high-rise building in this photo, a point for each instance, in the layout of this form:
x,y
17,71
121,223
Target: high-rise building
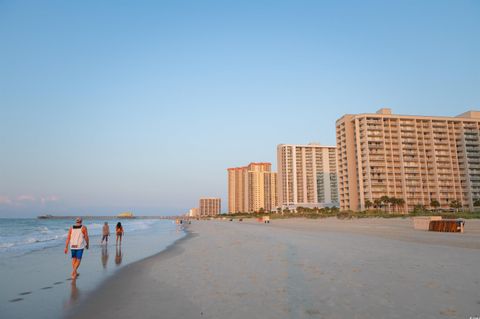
x,y
420,159
307,176
209,206
270,191
193,212
237,189
252,188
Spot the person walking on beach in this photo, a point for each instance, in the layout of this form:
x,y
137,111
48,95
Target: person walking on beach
x,y
105,233
78,239
119,232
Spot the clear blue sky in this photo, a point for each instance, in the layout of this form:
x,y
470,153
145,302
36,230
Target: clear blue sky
x,y
109,106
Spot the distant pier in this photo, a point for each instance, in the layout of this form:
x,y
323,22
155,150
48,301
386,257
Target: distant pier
x,y
110,217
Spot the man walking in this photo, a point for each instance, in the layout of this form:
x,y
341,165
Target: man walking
x,y
78,240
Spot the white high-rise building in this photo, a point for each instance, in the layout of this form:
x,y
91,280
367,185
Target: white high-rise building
x,y
307,176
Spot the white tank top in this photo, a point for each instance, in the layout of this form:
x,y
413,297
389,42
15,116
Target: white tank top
x,y
77,239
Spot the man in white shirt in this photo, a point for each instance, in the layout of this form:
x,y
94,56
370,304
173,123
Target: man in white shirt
x,y
78,240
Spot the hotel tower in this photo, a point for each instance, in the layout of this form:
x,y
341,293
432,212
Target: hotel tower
x,y
252,188
209,206
307,176
416,158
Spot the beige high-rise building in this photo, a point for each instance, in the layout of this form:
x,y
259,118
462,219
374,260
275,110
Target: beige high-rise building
x,y
416,158
252,188
209,206
237,189
307,176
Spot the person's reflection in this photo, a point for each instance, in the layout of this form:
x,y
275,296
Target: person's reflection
x,y
118,255
74,293
104,256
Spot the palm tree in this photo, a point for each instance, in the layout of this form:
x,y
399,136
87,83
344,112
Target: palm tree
x,y
455,204
393,202
435,204
401,202
377,203
476,202
368,204
385,200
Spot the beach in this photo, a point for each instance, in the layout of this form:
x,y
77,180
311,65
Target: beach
x,y
299,268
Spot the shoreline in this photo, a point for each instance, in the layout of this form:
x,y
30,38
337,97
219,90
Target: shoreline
x,y
37,283
297,269
96,293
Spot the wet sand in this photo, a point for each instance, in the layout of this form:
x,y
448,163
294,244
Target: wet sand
x,y
297,268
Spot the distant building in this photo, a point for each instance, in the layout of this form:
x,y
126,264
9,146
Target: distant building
x,y
419,159
209,206
252,188
193,212
307,176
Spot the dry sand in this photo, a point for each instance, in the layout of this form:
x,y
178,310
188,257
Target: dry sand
x,y
327,268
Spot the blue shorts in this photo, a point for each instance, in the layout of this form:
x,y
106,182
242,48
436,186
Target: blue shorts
x,y
77,253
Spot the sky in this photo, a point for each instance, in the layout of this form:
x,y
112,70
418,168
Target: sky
x,y
111,106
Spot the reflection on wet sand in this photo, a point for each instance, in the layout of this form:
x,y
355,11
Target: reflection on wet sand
x,y
104,257
74,295
118,255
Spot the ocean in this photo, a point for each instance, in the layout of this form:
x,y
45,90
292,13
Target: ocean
x,y
20,236
34,271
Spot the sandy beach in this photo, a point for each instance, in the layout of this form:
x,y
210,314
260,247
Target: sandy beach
x,y
297,268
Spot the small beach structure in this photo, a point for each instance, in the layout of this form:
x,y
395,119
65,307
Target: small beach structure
x,y
423,222
447,225
264,219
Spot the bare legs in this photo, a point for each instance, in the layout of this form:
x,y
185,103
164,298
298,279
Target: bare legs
x,y
104,238
75,264
119,239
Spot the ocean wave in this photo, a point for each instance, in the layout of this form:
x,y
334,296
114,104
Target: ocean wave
x,y
6,245
24,236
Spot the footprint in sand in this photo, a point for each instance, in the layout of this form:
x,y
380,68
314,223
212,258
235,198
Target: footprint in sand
x,y
312,312
58,283
25,293
448,312
431,284
48,287
16,300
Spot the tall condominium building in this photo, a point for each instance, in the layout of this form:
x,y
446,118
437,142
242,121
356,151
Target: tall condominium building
x,y
209,206
416,158
252,188
307,175
237,190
